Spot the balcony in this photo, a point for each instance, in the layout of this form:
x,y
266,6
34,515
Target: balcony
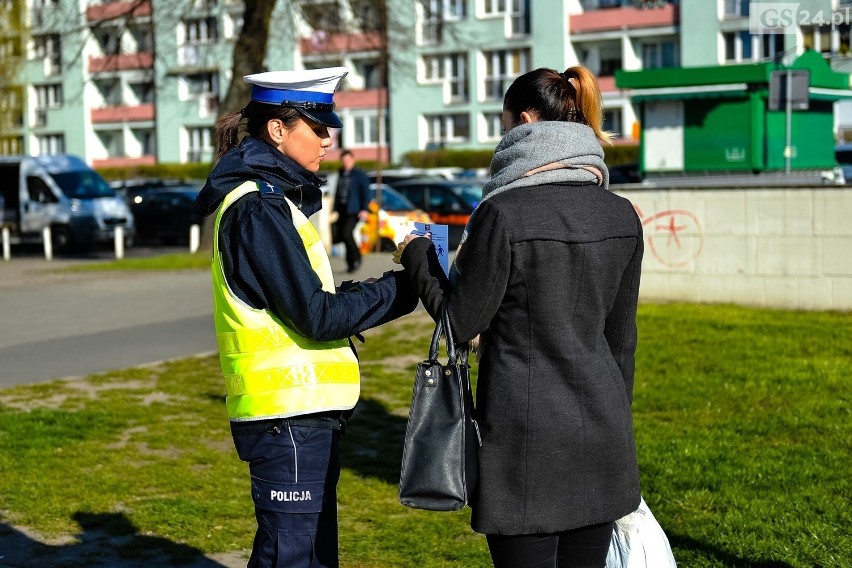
x,y
361,99
113,10
121,62
139,113
626,17
324,43
607,84
124,162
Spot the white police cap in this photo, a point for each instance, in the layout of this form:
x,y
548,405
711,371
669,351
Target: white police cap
x,y
311,92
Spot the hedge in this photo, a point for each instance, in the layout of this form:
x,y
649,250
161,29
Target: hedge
x,y
162,171
466,159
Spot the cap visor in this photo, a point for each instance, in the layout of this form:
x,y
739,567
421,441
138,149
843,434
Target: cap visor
x,y
329,118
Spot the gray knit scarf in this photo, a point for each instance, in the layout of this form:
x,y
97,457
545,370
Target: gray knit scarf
x,y
562,147
556,151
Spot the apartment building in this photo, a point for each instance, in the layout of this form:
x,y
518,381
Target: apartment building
x,y
139,81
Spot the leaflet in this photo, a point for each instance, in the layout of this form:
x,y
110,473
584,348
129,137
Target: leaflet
x,y
440,236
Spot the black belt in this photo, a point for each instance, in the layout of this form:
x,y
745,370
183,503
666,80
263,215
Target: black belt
x,y
331,421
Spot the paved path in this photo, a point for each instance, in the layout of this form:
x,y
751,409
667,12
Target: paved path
x,y
59,324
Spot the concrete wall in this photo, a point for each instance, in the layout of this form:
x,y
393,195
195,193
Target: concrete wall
x,y
786,248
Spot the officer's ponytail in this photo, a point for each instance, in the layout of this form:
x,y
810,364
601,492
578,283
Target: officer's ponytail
x,y
229,130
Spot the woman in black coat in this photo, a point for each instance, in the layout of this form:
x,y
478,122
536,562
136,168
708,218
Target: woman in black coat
x,y
548,277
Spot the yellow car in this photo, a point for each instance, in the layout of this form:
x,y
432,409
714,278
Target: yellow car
x,y
395,219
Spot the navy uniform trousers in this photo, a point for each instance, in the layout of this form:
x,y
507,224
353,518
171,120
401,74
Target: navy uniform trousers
x,y
294,467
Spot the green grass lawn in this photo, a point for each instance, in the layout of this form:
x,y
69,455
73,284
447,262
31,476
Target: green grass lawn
x,y
174,261
742,421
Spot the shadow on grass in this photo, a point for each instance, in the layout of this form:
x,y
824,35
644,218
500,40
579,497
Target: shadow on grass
x,y
372,445
106,540
723,558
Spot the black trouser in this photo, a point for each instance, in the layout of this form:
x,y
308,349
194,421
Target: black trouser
x,y
347,235
294,472
585,547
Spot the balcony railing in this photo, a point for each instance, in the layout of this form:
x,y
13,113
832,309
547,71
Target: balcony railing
x,y
625,17
121,62
113,10
121,113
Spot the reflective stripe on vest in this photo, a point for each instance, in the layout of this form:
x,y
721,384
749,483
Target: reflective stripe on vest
x,y
270,369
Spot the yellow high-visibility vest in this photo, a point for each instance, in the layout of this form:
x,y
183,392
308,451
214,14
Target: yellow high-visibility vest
x,y
270,370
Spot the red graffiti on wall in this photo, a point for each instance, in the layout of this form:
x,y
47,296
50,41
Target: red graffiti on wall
x,y
674,236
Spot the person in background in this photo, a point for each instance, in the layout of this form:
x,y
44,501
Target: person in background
x,y
351,203
291,373
548,275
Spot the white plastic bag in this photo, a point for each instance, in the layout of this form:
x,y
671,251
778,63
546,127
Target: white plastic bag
x,y
638,541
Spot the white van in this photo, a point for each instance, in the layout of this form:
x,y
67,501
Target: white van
x,y
61,192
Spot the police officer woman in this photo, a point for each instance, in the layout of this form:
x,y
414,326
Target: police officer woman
x,y
290,371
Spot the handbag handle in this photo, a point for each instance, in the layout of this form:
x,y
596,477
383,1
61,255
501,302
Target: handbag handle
x,y
444,328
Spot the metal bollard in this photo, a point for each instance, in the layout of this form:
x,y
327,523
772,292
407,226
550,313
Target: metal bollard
x,y
118,238
48,243
7,251
194,238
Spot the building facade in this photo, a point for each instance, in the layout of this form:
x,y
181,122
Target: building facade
x,y
140,81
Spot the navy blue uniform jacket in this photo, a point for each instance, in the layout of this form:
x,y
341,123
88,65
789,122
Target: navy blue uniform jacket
x,y
266,264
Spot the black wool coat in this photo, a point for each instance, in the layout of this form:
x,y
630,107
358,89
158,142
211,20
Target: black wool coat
x,y
549,276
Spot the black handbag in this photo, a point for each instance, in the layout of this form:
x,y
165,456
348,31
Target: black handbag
x,y
439,459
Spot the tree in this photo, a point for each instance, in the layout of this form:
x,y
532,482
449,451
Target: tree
x,y
12,43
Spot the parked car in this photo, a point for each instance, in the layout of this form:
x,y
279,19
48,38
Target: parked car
x,y
446,202
62,193
395,219
130,188
625,173
843,155
165,215
393,176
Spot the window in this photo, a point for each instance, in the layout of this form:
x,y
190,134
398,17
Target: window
x,y
109,39
113,142
49,48
144,38
494,7
146,140
501,67
365,131
772,44
431,21
144,92
457,77
370,73
612,122
38,191
200,84
11,145
451,67
816,38
493,125
46,96
663,54
447,128
110,91
200,144
736,8
200,30
519,18
738,46
51,144
49,96
433,68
